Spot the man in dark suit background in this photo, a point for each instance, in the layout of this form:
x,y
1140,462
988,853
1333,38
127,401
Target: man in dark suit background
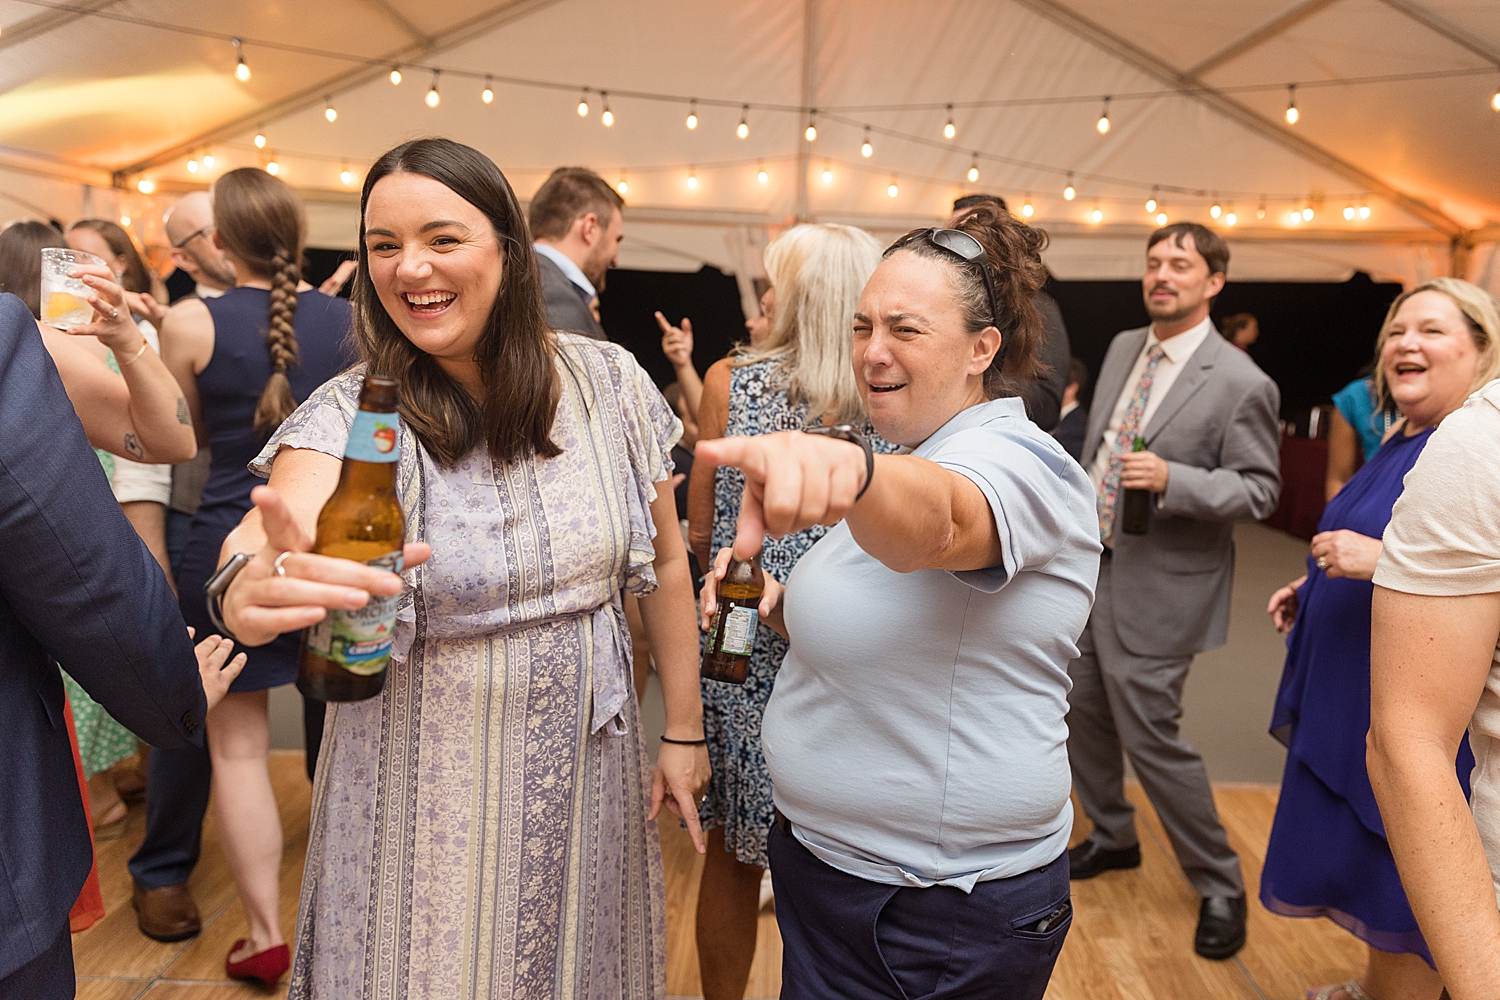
x,y
1043,396
1072,423
577,222
1208,418
79,587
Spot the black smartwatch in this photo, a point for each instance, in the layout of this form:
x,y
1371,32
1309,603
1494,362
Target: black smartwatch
x,y
218,583
846,432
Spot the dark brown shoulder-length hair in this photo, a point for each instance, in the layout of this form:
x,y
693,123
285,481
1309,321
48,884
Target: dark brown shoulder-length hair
x,y
137,277
515,352
1013,252
21,246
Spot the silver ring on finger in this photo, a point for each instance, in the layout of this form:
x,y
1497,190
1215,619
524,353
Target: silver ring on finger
x,y
1322,562
277,565
114,313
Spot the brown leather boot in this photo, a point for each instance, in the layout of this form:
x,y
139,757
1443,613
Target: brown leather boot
x,y
166,914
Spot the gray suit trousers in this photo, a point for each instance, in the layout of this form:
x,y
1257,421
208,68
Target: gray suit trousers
x,y
1127,705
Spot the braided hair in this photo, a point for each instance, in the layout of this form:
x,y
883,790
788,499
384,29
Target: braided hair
x,y
261,223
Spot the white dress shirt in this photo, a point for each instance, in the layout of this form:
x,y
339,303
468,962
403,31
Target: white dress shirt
x,y
1176,351
565,264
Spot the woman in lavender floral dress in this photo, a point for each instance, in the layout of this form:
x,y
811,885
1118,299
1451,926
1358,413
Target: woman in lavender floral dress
x,y
480,829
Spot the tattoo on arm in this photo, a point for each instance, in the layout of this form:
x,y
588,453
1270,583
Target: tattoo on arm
x,y
133,448
183,417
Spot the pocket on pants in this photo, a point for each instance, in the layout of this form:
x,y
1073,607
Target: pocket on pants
x,y
1045,925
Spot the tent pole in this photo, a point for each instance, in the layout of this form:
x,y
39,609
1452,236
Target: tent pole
x,y
809,96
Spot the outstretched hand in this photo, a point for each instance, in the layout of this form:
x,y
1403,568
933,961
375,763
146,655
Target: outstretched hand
x,y
260,604
792,481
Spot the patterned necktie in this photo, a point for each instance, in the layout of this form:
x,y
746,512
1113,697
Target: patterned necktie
x,y
1130,427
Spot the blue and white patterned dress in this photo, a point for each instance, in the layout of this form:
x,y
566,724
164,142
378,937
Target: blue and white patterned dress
x,y
739,792
479,829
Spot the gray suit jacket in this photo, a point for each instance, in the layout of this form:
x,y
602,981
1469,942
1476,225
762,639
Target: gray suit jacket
x,y
1216,428
566,309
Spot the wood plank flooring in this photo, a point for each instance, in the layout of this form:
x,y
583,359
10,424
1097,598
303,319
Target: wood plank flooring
x,y
1131,937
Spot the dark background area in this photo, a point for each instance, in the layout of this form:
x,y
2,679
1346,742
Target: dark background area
x,y
317,266
1314,336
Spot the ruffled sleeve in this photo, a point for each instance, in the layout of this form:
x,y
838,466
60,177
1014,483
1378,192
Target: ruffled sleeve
x,y
651,429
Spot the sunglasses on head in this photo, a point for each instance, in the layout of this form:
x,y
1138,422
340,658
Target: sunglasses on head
x,y
963,246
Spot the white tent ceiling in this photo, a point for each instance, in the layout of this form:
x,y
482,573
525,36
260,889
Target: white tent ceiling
x,y
97,95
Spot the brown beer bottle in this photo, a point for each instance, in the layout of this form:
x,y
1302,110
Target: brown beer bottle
x,y
1135,506
344,656
731,635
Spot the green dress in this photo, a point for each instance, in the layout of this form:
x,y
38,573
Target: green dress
x,y
101,740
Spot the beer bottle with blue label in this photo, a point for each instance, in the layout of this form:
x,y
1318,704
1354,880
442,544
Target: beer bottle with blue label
x,y
731,635
344,656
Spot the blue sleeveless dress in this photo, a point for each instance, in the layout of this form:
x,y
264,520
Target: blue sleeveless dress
x,y
228,390
1328,855
739,789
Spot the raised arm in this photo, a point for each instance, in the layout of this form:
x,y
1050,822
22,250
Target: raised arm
x,y
677,345
915,515
1429,660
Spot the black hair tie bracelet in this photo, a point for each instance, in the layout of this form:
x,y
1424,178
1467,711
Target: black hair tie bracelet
x,y
685,743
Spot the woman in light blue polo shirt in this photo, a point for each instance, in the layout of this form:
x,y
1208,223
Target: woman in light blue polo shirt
x,y
916,736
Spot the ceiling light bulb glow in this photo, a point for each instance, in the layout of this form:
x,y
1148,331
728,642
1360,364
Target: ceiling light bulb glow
x,y
743,129
1348,213
331,114
583,109
1096,216
346,177
622,187
892,190
1161,218
1150,205
1028,210
208,161
973,174
866,150
241,71
1307,215
273,168
487,95
1070,192
692,118
762,176
607,119
395,77
260,140
692,181
810,133
1364,211
124,220
145,185
192,166
1230,219
827,176
1215,210
1102,124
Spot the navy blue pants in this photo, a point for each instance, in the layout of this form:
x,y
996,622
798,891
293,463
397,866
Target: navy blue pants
x,y
845,937
49,976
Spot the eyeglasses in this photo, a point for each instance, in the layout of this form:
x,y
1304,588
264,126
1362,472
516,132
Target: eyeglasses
x,y
967,249
202,232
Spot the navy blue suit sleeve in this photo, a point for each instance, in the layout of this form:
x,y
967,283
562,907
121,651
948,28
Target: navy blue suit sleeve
x,y
73,572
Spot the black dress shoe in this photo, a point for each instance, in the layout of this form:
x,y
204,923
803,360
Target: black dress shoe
x,y
1089,859
1221,926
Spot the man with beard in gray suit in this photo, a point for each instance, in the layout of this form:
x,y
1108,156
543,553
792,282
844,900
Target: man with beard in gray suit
x,y
577,222
1207,415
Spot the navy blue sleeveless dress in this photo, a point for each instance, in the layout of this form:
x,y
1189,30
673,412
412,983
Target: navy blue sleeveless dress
x,y
228,390
1327,855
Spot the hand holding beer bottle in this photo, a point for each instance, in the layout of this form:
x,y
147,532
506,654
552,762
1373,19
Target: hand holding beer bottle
x,y
767,610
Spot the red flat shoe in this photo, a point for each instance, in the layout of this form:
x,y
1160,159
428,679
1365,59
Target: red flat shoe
x,y
265,967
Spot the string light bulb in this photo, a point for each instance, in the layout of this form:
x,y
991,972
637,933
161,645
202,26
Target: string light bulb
x,y
1070,192
865,149
827,173
1495,101
1151,202
583,104
208,161
760,173
329,112
241,71
1215,210
1161,218
1307,214
692,118
622,185
1027,208
692,180
145,185
1230,218
346,176
973,170
433,97
395,76
260,140
811,132
1349,213
1103,123
125,220
1260,211
273,168
743,128
1097,215
192,166
893,189
487,95
1292,114
949,129
1364,211
607,117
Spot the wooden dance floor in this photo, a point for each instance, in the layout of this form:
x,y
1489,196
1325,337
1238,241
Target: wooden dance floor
x,y
1131,936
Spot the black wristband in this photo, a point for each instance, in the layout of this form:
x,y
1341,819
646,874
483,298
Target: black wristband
x,y
845,432
685,743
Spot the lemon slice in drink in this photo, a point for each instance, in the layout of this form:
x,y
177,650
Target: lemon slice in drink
x,y
65,309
